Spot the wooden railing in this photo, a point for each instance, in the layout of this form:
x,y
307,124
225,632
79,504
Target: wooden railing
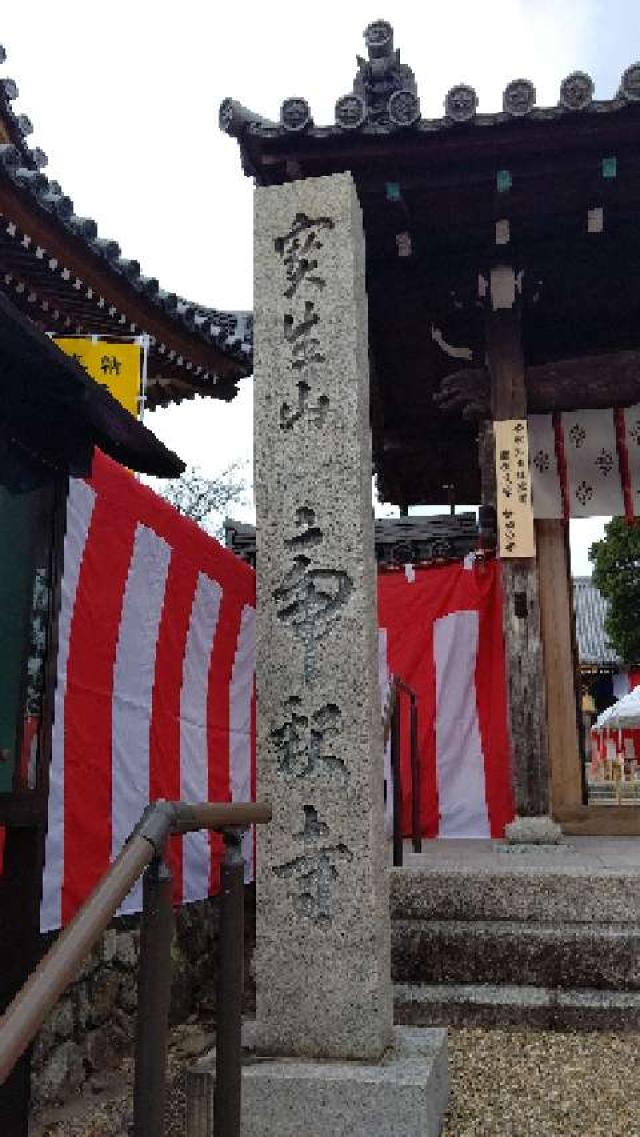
x,y
144,853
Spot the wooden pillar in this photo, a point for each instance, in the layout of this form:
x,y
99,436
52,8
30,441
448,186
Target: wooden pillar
x,y
23,812
19,951
521,612
559,664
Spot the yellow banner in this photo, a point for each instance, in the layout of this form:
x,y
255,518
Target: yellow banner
x,y
513,502
115,365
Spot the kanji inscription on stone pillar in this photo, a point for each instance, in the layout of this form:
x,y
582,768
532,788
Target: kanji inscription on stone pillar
x,y
322,955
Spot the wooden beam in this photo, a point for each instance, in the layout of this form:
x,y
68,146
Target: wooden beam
x,y
521,614
599,820
559,669
572,140
589,383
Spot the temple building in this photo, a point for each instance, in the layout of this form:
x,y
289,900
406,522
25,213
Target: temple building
x,y
501,252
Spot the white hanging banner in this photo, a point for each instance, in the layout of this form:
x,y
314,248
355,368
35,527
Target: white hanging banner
x,y
593,465
546,486
632,440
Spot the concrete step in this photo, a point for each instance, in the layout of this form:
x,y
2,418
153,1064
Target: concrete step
x,y
542,893
541,936
568,955
539,1008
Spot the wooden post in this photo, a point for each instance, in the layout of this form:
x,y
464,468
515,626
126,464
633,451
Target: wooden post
x,y
24,816
521,612
559,664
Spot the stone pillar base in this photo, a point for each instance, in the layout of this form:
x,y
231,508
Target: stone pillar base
x,y
404,1095
541,830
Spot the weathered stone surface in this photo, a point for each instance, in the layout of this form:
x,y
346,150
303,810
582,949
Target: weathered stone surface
x,y
91,964
569,955
195,1041
538,1008
103,995
58,1025
126,950
322,956
128,996
533,831
63,1072
82,1006
98,1048
109,944
404,1095
515,891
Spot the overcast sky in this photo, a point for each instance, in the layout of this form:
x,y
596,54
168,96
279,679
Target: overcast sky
x,y
124,99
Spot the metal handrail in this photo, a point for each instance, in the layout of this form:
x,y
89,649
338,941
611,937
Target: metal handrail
x,y
388,711
391,730
143,851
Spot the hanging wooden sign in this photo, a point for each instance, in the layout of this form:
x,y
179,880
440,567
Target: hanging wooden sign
x,y
513,501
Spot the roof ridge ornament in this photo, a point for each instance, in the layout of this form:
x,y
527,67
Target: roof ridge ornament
x,y
384,89
295,115
461,103
519,97
630,84
233,118
576,91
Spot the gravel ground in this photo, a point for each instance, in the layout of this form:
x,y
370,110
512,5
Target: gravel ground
x,y
104,1107
521,1083
504,1084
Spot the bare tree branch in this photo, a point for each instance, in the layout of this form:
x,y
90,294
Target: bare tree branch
x,y
206,500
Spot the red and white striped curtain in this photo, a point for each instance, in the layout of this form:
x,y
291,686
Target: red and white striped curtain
x,y
442,628
155,693
155,687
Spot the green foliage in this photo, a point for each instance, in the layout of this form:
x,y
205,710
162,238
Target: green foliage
x,y
206,500
616,573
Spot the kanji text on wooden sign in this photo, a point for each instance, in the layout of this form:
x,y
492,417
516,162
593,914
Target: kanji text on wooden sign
x,y
513,499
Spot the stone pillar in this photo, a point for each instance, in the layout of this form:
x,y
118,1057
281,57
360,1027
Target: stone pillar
x,y
322,947
330,1061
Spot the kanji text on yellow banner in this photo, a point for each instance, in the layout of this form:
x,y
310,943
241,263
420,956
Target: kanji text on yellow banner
x,y
115,365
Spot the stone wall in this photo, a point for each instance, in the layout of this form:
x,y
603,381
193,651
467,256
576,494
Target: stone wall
x,y
93,1024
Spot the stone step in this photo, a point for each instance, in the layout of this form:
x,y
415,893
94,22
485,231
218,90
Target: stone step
x,y
540,894
567,955
541,1008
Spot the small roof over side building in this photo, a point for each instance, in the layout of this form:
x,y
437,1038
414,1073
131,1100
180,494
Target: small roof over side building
x,y
68,278
52,414
594,649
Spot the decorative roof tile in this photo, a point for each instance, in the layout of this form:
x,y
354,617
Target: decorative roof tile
x,y
384,100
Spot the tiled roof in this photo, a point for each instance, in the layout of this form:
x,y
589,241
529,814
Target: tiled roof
x,y
385,101
591,609
398,540
228,333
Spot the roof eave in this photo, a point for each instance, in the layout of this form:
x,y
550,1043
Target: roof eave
x,y
63,392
